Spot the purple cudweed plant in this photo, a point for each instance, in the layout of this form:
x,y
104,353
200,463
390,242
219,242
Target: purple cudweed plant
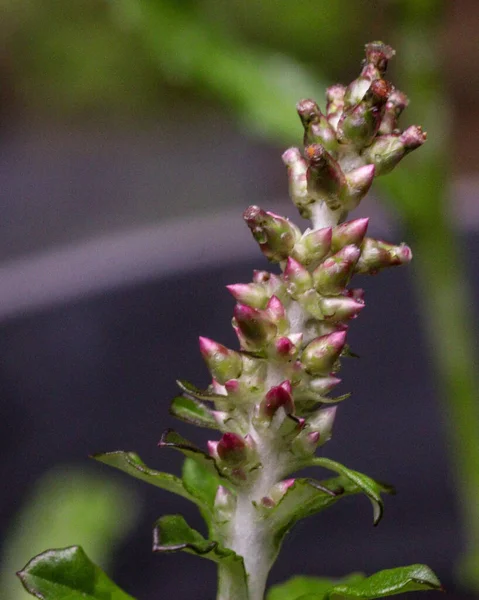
x,y
270,399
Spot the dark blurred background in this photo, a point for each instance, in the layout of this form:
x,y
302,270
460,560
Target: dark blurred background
x,y
133,134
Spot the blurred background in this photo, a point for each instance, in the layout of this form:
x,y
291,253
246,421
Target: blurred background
x,y
133,134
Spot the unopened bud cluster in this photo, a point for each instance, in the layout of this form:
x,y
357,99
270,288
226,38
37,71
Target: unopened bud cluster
x,y
271,396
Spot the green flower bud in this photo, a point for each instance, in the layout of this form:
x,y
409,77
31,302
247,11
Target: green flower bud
x,y
222,362
376,255
387,150
275,235
350,232
298,186
332,275
326,180
320,355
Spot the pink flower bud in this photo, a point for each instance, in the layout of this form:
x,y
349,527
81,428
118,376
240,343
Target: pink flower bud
x,y
332,276
323,385
275,235
350,232
376,254
320,355
313,246
231,449
297,278
358,183
334,103
322,422
395,105
277,397
275,309
326,180
317,129
222,362
298,188
339,308
285,347
252,294
256,326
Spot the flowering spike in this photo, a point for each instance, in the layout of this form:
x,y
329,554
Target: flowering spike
x,y
275,235
332,275
252,294
313,245
326,180
320,355
222,362
297,277
350,232
377,254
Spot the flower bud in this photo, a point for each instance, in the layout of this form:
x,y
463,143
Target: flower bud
x,y
379,54
340,308
277,492
256,326
297,277
361,122
275,235
285,348
252,294
350,232
334,103
317,129
332,275
275,309
231,449
225,503
387,150
326,180
222,362
395,105
323,385
358,183
277,397
306,443
376,255
310,301
298,187
320,355
322,421
313,245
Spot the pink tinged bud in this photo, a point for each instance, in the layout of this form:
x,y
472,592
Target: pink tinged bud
x,y
334,103
231,449
217,387
332,276
277,492
298,188
297,277
395,105
311,302
268,502
322,422
277,397
313,437
376,255
326,180
285,347
256,326
317,129
320,355
387,150
232,386
413,137
356,294
252,294
275,235
222,362
275,309
323,385
379,54
224,501
212,448
340,308
360,122
350,232
358,183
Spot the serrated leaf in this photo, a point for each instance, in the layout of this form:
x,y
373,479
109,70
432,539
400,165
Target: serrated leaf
x,y
193,411
199,482
172,534
68,573
302,587
191,390
371,488
171,439
388,583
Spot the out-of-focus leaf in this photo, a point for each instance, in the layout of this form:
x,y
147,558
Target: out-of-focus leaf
x,y
68,574
302,587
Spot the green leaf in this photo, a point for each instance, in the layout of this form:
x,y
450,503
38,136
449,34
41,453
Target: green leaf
x,y
193,411
171,439
388,583
190,390
307,497
68,574
363,483
302,587
199,482
131,463
172,534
